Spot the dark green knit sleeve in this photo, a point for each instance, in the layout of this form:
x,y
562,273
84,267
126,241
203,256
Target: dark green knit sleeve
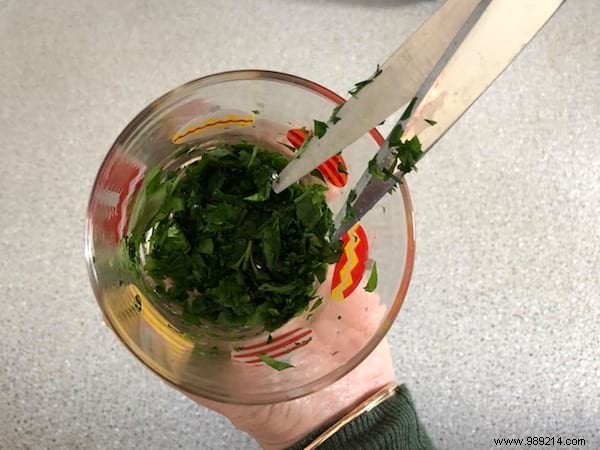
x,y
392,425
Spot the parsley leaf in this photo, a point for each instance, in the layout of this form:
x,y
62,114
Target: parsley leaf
x,y
233,252
350,214
316,304
320,128
361,84
334,114
431,122
372,283
274,363
405,155
408,111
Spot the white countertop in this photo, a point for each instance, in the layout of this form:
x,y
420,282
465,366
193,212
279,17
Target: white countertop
x,y
500,332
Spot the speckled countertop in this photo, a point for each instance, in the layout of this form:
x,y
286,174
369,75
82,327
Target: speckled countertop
x,y
500,333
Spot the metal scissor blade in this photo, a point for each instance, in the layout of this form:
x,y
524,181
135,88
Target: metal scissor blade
x,y
370,194
498,36
400,77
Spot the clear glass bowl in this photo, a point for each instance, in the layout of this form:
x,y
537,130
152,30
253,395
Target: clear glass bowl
x,y
323,345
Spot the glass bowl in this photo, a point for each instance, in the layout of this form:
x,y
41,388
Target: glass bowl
x,y
323,344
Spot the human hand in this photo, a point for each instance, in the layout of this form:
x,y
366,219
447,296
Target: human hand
x,y
279,425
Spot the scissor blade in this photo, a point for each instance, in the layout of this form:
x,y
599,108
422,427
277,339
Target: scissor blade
x,y
400,77
502,31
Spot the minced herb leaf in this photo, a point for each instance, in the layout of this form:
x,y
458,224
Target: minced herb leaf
x,y
408,111
235,253
316,304
407,152
302,148
334,114
375,170
320,128
256,111
405,155
350,215
372,283
361,84
431,122
274,363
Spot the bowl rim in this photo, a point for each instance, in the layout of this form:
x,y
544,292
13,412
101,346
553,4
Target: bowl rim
x,y
313,385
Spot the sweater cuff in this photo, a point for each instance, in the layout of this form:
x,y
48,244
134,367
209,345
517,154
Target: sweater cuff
x,y
391,425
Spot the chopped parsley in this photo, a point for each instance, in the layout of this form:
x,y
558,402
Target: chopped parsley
x,y
350,214
407,152
316,304
216,241
320,128
404,154
361,84
372,283
408,111
302,148
274,363
334,114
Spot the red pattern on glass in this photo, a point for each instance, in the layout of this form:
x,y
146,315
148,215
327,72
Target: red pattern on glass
x,y
279,346
350,269
333,170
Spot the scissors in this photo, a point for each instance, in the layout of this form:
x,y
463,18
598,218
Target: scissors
x,y
439,72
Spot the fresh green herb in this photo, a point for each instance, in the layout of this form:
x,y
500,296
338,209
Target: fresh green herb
x,y
408,111
372,283
431,122
320,128
315,173
302,148
304,342
350,215
361,84
405,155
233,252
274,363
256,111
375,170
316,304
407,152
334,114
341,168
